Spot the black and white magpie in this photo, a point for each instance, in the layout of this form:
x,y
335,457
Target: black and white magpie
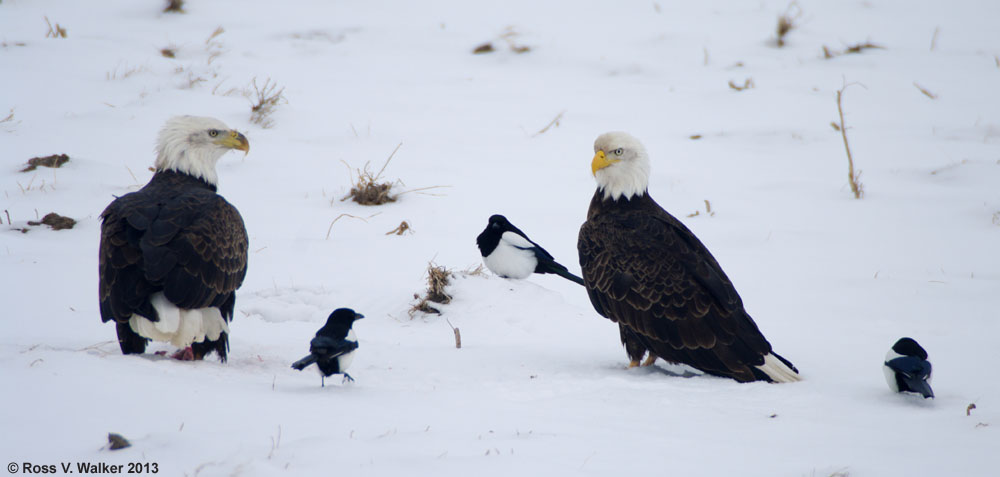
x,y
334,345
907,369
509,253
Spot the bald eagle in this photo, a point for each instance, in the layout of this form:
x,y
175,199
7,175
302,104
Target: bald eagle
x,y
646,271
173,253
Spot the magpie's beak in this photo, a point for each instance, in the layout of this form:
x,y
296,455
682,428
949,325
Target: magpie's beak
x,y
358,316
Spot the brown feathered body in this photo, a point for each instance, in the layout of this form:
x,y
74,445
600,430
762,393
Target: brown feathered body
x,y
174,239
644,270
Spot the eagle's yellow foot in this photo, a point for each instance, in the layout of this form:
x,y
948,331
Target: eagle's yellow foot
x,y
632,364
649,360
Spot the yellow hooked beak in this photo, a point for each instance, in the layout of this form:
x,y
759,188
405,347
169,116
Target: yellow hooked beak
x,y
234,140
601,161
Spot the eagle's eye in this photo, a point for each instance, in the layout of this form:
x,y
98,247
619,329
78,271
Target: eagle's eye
x,y
213,132
618,151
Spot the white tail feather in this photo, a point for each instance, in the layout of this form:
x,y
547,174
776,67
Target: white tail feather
x,y
180,327
778,371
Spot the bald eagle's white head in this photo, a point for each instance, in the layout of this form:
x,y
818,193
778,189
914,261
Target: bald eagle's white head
x,y
193,144
620,165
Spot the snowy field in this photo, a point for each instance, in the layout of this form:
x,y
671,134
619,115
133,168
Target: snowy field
x,y
539,386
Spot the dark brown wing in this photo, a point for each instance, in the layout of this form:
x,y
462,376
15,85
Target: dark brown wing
x,y
647,271
186,241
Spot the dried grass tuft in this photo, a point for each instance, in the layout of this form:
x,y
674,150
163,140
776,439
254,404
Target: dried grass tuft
x,y
509,36
477,271
117,441
484,48
174,6
404,227
54,220
786,22
169,52
53,161
438,279
263,101
369,189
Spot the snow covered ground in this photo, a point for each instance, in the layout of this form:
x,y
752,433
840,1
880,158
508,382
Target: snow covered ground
x,y
539,386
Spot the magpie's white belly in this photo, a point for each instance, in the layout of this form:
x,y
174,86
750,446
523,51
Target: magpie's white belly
x,y
344,361
890,378
179,327
509,261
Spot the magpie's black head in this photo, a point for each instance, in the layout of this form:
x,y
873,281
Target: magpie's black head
x,y
499,222
344,315
909,347
339,322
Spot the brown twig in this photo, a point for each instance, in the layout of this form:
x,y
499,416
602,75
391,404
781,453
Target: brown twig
x,y
404,227
924,90
458,334
363,219
553,123
852,177
747,84
56,31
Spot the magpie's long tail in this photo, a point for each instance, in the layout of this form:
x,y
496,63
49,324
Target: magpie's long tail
x,y
302,363
551,266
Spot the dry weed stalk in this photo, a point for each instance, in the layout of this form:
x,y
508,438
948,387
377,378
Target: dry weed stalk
x,y
54,31
858,48
265,99
924,90
850,50
786,22
363,219
852,177
218,31
553,123
708,210
458,335
123,71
